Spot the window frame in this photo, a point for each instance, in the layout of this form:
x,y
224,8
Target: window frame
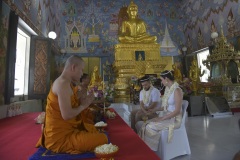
x,y
202,66
27,61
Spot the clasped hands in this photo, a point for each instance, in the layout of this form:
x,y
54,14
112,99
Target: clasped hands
x,y
85,97
148,111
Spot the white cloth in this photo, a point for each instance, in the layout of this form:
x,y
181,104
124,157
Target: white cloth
x,y
153,97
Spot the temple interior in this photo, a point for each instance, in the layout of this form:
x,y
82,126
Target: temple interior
x,y
198,40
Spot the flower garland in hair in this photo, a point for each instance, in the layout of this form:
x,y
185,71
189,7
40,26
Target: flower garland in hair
x,y
168,91
170,71
146,97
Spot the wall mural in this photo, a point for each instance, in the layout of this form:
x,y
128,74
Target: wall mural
x,y
90,27
43,14
4,18
208,16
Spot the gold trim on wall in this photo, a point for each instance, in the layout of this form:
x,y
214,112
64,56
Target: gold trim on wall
x,y
90,62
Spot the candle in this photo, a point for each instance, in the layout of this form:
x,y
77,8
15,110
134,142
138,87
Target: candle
x,y
104,107
103,75
103,81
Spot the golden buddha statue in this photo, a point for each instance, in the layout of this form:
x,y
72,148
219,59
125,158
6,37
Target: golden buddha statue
x,y
134,29
194,75
96,80
140,58
133,37
177,73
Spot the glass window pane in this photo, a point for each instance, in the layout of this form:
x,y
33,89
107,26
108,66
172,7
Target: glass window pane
x,y
20,63
203,56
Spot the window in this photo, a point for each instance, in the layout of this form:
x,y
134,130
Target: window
x,y
22,63
202,55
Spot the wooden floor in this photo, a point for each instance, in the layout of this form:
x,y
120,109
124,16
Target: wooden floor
x,y
212,138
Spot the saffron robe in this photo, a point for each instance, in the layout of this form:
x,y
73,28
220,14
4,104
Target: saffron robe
x,y
87,115
68,136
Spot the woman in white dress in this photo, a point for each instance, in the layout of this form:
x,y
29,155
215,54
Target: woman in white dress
x,y
169,118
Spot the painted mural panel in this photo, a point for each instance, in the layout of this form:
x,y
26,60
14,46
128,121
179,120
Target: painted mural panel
x,y
4,18
90,27
207,16
43,14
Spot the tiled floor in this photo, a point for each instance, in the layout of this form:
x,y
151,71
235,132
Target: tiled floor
x,y
212,138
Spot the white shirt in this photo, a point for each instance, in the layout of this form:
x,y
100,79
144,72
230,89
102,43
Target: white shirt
x,y
153,97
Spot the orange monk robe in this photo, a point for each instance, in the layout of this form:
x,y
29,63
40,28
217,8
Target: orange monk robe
x,y
87,115
68,136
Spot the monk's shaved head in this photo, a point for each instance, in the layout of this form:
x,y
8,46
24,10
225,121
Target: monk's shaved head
x,y
73,60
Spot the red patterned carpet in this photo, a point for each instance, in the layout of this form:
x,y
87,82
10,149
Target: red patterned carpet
x,y
19,135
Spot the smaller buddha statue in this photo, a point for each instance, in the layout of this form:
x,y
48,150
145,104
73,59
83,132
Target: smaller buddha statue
x,y
96,80
194,75
134,29
140,58
177,73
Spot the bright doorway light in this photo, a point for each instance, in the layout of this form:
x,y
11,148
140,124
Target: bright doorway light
x,y
22,63
202,55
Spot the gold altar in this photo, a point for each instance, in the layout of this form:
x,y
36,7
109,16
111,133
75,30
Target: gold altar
x,y
224,64
136,60
137,54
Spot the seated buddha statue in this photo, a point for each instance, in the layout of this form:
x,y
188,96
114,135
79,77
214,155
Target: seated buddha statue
x,y
96,80
134,29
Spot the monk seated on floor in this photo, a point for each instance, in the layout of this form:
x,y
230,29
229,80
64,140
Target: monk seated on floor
x,y
65,130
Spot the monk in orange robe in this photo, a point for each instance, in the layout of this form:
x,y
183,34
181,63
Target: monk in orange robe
x,y
64,130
